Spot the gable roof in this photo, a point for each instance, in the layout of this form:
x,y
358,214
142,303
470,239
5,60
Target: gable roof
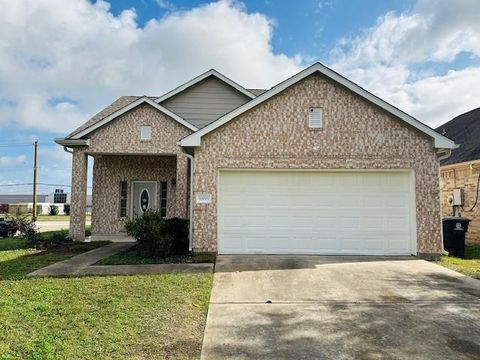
x,y
125,101
85,130
201,77
440,141
110,109
464,129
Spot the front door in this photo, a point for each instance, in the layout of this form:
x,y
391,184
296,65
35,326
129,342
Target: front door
x,y
144,197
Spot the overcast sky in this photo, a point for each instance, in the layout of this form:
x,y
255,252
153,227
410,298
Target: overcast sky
x,y
63,61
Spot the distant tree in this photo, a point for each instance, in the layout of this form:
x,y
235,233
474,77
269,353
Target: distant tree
x,y
53,210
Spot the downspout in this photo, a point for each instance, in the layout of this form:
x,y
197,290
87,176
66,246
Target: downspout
x,y
190,210
67,150
447,153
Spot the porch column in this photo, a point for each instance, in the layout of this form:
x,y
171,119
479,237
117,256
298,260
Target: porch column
x,y
181,191
78,201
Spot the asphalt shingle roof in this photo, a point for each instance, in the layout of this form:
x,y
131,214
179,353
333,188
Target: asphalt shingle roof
x,y
122,102
465,131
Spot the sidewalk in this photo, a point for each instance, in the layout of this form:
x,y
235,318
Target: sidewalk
x,y
83,264
77,263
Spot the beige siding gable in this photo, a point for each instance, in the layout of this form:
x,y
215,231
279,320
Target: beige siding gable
x,y
205,101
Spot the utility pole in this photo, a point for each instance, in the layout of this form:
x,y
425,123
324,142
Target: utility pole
x,y
35,159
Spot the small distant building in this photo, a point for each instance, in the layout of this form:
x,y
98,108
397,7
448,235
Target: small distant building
x,y
59,197
6,199
22,203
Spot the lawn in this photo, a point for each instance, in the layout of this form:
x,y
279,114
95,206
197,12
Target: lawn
x,y
108,317
469,266
133,256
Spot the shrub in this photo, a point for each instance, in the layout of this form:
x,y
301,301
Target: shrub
x,y
151,233
28,230
39,209
53,210
53,239
66,209
178,228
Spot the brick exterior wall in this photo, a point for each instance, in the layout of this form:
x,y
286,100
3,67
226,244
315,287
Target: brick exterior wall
x,y
356,135
461,176
120,155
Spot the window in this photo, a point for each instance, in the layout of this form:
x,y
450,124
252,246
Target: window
x,y
123,199
163,198
59,198
315,120
145,133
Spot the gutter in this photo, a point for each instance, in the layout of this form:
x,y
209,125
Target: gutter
x,y
446,154
190,210
72,142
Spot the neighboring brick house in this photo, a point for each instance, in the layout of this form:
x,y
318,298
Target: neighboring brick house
x,y
314,165
462,169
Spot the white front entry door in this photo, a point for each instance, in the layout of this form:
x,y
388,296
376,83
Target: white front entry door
x,y
144,197
309,212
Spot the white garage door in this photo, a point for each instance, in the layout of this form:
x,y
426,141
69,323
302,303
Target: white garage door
x,y
307,212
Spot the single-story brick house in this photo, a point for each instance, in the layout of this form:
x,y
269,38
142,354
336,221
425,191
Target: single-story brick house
x,y
314,165
462,170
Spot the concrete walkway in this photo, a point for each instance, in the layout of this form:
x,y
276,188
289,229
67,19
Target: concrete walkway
x,y
147,269
332,307
83,264
78,263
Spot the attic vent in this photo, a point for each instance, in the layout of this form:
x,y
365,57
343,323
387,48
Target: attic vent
x,y
315,118
203,198
145,133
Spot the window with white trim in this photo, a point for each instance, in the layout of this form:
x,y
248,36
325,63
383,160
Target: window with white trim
x,y
122,210
163,198
315,118
145,133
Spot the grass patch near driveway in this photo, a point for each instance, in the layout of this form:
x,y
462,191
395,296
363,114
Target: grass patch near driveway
x,y
469,266
133,256
92,317
18,257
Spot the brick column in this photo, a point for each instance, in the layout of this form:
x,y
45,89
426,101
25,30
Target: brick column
x,y
181,191
78,195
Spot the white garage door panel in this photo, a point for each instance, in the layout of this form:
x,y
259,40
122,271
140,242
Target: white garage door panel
x,y
280,212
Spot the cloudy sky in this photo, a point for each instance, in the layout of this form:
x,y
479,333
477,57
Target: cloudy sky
x,y
61,61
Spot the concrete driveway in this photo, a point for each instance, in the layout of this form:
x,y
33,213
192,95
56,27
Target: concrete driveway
x,y
340,308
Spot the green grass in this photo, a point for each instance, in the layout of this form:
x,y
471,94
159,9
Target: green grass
x,y
133,256
90,317
18,257
469,266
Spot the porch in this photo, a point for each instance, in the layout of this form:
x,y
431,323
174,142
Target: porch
x,y
125,185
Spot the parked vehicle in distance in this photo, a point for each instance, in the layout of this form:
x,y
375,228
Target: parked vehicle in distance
x,y
7,228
